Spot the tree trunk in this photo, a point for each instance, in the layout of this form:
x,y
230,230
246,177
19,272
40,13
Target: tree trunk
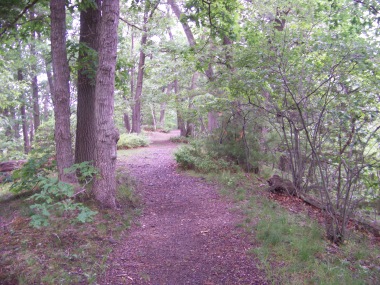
x,y
212,122
61,91
86,128
106,133
163,105
15,123
35,96
192,43
185,26
8,129
162,115
50,81
154,120
127,123
31,130
136,111
25,135
180,121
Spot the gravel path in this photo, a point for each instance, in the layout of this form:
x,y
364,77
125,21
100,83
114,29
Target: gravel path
x,y
187,233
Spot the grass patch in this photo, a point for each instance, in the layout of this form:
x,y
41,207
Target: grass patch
x,y
292,248
64,252
125,153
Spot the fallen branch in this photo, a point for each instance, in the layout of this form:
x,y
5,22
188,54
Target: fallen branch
x,y
279,185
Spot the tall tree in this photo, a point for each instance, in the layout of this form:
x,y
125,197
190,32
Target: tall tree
x,y
25,134
61,93
106,133
35,95
149,7
87,60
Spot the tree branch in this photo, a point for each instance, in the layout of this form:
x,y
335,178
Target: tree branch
x,y
129,24
26,8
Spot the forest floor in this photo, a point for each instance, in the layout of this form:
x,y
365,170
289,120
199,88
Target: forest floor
x,y
187,233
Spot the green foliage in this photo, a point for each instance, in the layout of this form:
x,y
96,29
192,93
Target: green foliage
x,y
297,243
28,176
127,141
85,171
220,16
195,156
56,198
179,139
53,197
44,138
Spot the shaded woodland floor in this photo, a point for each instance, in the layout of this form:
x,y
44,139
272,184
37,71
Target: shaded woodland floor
x,y
187,233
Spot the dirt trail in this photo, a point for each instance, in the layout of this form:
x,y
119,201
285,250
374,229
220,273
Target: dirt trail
x,y
186,235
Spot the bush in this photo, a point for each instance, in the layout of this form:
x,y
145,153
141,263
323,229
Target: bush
x,y
195,156
127,141
165,130
179,139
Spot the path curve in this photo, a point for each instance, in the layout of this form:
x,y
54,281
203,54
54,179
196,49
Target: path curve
x,y
187,233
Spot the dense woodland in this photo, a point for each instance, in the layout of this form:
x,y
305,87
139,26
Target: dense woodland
x,y
275,87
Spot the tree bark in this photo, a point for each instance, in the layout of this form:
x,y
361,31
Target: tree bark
x,y
163,105
136,111
86,128
180,121
25,134
127,123
191,40
185,26
8,129
61,91
35,95
15,124
106,133
50,81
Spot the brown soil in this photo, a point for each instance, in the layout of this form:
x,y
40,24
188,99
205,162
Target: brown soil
x,y
187,233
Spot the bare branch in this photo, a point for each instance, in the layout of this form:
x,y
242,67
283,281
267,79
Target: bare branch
x,y
131,25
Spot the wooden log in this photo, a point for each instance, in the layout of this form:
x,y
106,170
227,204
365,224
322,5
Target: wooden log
x,y
11,165
277,185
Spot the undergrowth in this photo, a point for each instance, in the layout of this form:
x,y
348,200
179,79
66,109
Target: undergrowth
x,y
65,252
292,248
127,141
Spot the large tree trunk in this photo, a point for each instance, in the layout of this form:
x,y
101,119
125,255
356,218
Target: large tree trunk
x,y
106,133
86,128
136,111
61,91
25,134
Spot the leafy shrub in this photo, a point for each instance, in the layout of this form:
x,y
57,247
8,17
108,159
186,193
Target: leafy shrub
x,y
195,156
28,176
127,141
165,130
179,139
148,128
54,197
44,138
57,197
